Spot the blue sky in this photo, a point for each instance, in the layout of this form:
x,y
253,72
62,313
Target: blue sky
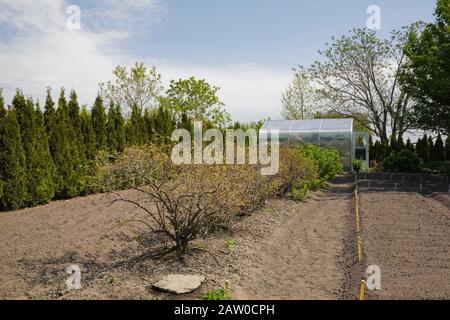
x,y
279,34
246,47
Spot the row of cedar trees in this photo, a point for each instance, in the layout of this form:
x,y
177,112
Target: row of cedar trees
x,y
426,148
51,154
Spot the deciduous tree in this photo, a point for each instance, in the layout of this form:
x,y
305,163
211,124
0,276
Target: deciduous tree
x,y
138,87
297,101
426,77
198,100
359,74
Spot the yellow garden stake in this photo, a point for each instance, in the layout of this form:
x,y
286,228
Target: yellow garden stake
x,y
226,288
362,289
357,219
359,248
358,225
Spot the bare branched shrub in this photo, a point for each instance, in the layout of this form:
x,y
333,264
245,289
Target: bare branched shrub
x,y
133,168
245,189
181,209
188,201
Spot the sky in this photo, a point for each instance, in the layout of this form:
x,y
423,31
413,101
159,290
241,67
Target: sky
x,y
246,47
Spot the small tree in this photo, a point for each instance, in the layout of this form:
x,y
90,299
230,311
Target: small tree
x,y
138,87
87,130
73,110
447,149
99,120
409,146
163,124
375,154
430,148
423,149
393,146
198,100
438,150
297,100
136,130
49,113
115,129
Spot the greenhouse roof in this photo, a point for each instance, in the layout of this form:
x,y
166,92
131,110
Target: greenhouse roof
x,y
313,125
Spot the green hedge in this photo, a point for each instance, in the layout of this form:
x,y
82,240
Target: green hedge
x,y
403,161
328,161
326,165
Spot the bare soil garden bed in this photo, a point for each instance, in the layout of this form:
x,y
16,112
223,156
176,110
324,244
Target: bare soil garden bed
x,y
408,236
287,250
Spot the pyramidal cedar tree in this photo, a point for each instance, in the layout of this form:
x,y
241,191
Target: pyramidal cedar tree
x,y
99,121
39,165
115,128
69,177
12,162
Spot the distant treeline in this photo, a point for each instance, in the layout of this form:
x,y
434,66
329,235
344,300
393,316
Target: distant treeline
x,y
428,149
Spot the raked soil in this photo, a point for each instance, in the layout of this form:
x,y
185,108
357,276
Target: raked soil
x,y
286,250
408,237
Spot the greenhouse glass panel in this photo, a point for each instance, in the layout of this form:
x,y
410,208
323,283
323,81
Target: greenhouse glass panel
x,y
328,133
306,126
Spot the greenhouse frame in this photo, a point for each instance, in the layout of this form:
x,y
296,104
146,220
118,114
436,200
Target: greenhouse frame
x,y
329,133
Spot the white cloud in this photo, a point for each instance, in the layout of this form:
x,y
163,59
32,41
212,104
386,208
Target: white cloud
x,y
36,51
250,92
24,16
39,51
128,15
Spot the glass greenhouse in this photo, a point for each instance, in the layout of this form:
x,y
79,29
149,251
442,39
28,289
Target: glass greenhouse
x,y
330,133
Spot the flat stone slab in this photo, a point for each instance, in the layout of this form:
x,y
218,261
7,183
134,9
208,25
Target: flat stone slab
x,y
179,283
